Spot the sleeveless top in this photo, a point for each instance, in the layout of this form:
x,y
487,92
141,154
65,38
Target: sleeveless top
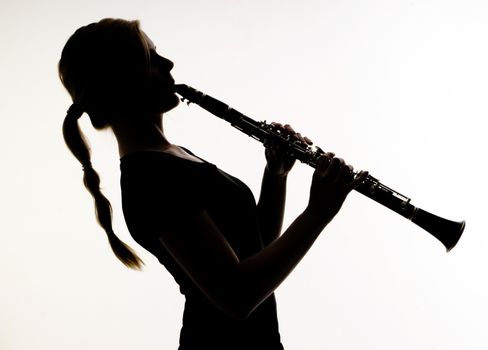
x,y
156,184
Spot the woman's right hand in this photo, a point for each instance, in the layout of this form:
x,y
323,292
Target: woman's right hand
x,y
332,181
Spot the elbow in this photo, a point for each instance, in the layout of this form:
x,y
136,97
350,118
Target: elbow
x,y
238,311
238,315
243,306
234,305
236,295
236,302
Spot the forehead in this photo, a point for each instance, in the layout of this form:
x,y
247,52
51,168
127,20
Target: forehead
x,y
148,41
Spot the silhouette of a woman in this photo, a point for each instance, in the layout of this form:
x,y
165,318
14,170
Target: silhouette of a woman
x,y
226,252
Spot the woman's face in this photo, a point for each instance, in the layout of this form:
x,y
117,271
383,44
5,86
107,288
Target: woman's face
x,y
160,82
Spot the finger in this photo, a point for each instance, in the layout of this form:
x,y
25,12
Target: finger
x,y
362,175
299,137
269,144
333,171
322,165
278,127
289,129
347,173
303,139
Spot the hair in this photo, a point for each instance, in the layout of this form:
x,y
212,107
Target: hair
x,y
102,66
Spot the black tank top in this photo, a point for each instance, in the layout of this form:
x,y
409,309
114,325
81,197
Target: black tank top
x,y
155,184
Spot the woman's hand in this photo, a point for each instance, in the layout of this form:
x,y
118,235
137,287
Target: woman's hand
x,y
278,162
332,181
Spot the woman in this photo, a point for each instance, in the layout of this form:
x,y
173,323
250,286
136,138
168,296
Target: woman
x,y
224,250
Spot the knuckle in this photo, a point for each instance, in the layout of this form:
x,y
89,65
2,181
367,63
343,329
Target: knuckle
x,y
335,161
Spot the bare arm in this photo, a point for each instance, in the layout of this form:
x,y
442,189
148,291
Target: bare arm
x,y
236,286
271,206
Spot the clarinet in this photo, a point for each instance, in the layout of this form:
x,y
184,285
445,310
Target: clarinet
x,y
446,231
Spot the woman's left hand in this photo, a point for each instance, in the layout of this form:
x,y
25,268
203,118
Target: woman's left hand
x,y
278,162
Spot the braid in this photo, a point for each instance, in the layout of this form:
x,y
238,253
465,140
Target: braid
x,y
78,145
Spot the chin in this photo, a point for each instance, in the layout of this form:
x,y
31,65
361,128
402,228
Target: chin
x,y
169,102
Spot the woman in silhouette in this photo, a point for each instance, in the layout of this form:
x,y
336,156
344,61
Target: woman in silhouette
x,y
226,252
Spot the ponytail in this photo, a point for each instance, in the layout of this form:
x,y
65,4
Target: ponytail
x,y
78,145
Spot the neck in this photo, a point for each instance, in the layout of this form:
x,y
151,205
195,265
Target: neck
x,y
140,134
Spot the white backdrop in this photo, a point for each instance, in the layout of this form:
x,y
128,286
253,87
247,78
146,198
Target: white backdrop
x,y
396,87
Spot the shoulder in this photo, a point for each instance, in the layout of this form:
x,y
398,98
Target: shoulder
x,y
149,164
155,177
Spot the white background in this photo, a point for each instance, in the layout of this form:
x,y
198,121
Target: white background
x,y
396,87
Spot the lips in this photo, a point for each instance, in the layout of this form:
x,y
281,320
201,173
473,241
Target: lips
x,y
168,82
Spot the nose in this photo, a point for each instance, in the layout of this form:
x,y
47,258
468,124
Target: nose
x,y
163,62
170,64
